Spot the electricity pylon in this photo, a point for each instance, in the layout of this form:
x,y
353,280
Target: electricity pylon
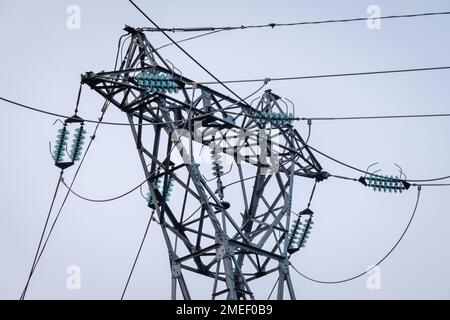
x,y
231,231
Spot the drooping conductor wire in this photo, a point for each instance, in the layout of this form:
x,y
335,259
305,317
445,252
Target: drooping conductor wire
x,y
63,160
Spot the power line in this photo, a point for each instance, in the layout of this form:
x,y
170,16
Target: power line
x,y
66,197
22,296
187,53
188,39
265,80
311,118
137,256
291,24
40,110
374,266
107,199
333,75
432,115
365,172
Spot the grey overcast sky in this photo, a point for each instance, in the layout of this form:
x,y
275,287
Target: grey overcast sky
x,y
41,60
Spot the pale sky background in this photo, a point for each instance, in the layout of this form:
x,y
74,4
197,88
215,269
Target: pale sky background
x,y
41,61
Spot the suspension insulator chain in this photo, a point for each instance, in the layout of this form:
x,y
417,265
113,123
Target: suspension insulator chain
x,y
157,82
77,143
60,144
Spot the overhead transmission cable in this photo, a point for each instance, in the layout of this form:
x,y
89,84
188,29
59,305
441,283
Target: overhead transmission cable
x,y
222,83
137,255
265,81
372,267
42,236
64,201
241,100
331,75
40,250
291,24
365,172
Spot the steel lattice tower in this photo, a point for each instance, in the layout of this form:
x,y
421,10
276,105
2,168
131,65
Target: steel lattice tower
x,y
240,231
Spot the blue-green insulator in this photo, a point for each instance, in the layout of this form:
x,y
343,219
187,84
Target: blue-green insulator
x,y
399,185
60,143
62,136
295,224
78,141
149,198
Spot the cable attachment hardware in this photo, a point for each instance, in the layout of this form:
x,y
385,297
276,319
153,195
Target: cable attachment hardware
x,y
60,145
385,183
271,112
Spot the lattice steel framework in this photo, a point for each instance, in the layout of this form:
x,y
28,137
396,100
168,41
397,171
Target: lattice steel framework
x,y
231,231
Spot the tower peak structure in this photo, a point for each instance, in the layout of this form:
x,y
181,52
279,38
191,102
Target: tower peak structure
x,y
220,173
